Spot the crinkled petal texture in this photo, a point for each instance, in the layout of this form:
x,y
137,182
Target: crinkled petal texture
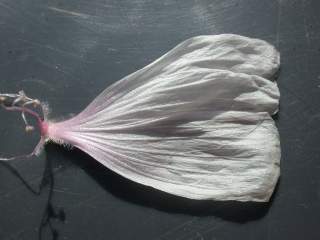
x,y
195,123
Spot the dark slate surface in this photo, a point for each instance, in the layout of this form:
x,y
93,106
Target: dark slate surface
x,y
66,52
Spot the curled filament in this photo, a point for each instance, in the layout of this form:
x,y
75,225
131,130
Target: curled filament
x,y
20,102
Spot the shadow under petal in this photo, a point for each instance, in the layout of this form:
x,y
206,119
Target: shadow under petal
x,y
49,212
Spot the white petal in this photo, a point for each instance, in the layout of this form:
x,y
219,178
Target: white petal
x,y
195,123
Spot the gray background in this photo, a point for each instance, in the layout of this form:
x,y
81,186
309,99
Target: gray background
x,y
66,52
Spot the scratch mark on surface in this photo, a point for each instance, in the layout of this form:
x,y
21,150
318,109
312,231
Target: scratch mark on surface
x,y
204,228
76,14
6,7
306,31
39,82
278,25
191,229
176,228
55,68
66,192
89,206
86,201
305,26
215,227
199,236
307,106
55,49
